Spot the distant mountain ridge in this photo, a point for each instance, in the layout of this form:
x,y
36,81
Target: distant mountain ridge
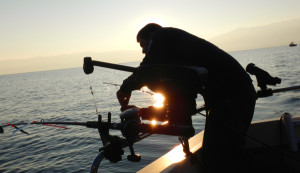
x,y
271,35
66,61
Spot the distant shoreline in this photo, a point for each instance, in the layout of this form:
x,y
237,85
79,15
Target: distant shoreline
x,y
81,62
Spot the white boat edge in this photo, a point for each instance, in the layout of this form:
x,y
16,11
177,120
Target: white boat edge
x,y
267,132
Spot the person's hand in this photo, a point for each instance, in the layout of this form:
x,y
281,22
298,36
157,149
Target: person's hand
x,y
123,99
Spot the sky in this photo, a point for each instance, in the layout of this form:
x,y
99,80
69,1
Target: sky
x,y
45,28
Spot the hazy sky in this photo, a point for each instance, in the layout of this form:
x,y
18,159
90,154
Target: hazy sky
x,y
31,28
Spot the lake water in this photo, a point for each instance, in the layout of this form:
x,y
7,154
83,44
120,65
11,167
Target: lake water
x,y
65,95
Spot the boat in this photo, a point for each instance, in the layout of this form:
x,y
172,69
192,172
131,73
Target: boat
x,y
292,44
272,145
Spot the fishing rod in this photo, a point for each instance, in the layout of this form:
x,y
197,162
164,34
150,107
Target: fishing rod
x,y
15,125
269,92
131,126
286,89
143,127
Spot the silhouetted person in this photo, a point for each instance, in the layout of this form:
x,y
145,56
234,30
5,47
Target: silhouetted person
x,y
229,93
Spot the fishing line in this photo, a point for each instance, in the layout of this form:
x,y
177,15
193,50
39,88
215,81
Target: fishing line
x,y
92,92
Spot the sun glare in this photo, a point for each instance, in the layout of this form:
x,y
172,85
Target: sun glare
x,y
158,100
153,122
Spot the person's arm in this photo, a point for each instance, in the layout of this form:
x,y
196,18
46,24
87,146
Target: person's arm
x,y
155,54
124,93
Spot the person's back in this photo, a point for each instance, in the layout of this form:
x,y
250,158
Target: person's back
x,y
226,78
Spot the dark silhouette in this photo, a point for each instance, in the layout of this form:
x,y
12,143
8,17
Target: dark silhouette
x,y
228,93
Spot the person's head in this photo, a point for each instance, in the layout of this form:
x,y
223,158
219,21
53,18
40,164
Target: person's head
x,y
145,34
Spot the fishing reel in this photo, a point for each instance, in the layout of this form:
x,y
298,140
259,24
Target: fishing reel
x,y
263,79
131,120
132,129
132,117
